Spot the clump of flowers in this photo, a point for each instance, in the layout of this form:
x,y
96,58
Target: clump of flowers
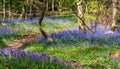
x,y
6,52
18,55
74,36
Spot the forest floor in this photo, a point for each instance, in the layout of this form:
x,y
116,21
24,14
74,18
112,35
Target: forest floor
x,y
80,48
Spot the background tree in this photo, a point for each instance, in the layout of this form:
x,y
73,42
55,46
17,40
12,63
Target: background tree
x,y
114,12
80,14
47,4
53,6
10,9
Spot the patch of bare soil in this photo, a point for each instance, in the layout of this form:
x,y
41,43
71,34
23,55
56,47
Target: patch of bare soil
x,y
19,42
115,55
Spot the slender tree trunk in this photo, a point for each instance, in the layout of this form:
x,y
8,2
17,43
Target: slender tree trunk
x,y
22,16
40,22
47,6
4,11
59,8
79,11
4,24
53,6
30,4
71,10
114,23
10,13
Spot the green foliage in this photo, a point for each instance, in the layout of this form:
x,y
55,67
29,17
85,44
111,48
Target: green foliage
x,y
51,25
92,6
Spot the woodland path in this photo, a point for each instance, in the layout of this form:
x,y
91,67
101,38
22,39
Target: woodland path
x,y
28,37
17,43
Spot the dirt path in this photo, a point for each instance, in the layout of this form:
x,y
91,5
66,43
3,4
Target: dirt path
x,y
28,37
19,42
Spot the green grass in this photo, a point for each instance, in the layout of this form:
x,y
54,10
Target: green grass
x,y
67,16
50,25
47,25
73,17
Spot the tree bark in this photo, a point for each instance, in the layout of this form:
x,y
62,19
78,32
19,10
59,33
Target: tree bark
x,y
47,6
114,23
79,12
59,8
10,6
30,5
4,11
71,10
53,6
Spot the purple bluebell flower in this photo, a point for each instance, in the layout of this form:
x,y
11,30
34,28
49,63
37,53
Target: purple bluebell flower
x,y
17,53
54,59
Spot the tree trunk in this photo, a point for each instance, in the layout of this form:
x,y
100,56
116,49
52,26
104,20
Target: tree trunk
x,y
22,16
10,13
71,10
79,12
114,23
47,6
30,4
59,8
4,11
52,6
40,22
